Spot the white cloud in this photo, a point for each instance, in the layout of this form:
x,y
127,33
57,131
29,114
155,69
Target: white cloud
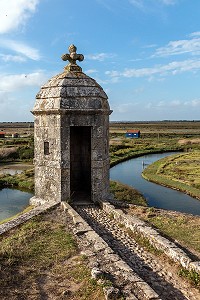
x,y
21,48
100,56
150,109
149,105
162,70
196,33
139,90
12,58
10,83
125,107
91,71
176,104
138,3
112,5
150,4
113,73
17,94
15,13
178,47
16,109
149,46
193,103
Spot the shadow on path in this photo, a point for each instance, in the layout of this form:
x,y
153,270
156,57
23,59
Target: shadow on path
x,y
158,283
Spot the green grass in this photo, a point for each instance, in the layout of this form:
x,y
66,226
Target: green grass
x,y
144,242
40,259
184,168
35,242
193,276
17,148
25,180
123,192
181,172
181,228
124,149
185,229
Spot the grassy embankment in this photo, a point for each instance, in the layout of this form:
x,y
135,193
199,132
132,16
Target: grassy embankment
x,y
120,149
182,228
181,172
17,150
25,180
124,149
41,259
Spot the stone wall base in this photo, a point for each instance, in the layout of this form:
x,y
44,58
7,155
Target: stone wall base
x,y
39,201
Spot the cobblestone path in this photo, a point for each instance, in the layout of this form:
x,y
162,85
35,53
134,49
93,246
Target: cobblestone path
x,y
158,274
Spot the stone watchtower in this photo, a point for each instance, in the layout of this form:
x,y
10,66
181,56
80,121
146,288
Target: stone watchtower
x,y
71,134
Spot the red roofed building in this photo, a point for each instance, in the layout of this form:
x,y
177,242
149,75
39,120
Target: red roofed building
x,y
2,135
132,133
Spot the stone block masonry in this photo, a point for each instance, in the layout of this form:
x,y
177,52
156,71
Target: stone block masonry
x,y
71,134
111,261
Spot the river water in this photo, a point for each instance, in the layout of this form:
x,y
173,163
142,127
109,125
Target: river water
x,y
14,168
12,202
129,172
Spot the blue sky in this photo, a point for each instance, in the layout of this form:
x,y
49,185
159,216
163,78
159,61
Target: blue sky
x,y
144,53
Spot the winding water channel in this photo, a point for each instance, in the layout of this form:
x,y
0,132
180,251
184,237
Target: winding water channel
x,y
129,172
13,201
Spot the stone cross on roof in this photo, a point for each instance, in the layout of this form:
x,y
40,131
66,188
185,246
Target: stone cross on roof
x,y
72,57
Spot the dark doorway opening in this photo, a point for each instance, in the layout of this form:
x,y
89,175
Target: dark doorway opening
x,y
80,163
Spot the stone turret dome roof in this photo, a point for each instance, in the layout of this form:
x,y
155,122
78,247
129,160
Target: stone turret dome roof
x,y
71,90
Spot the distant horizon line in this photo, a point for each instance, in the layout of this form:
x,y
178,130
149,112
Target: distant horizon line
x,y
122,121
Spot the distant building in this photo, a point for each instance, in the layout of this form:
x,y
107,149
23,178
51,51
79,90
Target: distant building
x,y
15,135
132,133
2,134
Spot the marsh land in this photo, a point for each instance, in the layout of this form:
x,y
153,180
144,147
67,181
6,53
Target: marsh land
x,y
43,248
181,171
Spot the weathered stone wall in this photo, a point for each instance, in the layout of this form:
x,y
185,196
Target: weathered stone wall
x,y
47,166
5,227
100,158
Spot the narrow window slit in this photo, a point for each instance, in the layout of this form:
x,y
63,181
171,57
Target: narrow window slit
x,y
46,148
